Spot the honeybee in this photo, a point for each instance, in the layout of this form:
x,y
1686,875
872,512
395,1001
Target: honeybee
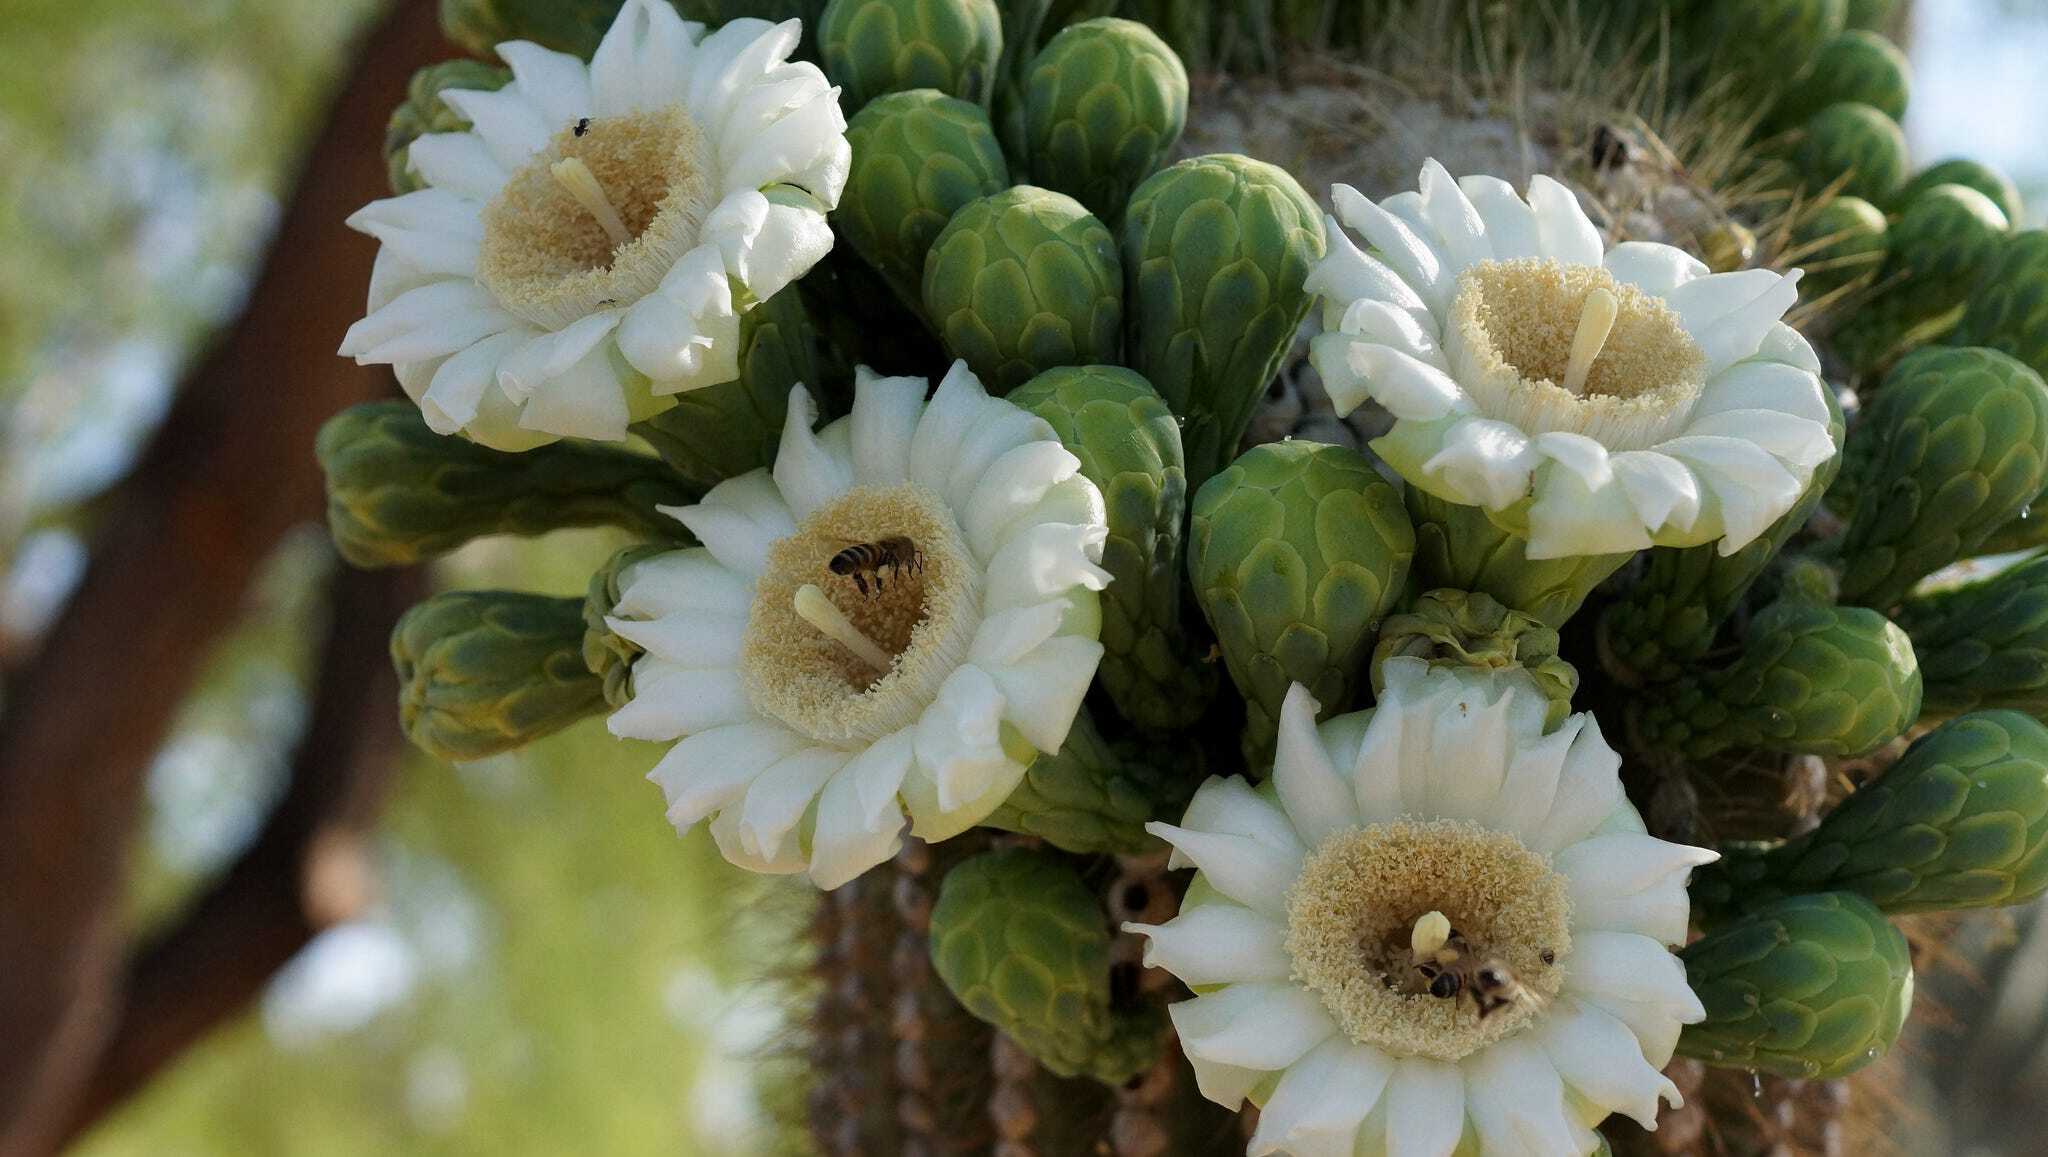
x,y
1447,968
582,126
866,561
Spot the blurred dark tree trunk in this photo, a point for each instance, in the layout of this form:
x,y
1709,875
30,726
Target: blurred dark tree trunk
x,y
86,1017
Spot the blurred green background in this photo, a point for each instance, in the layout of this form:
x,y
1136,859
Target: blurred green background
x,y
548,969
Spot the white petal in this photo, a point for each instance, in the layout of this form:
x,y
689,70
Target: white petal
x,y
1381,324
690,639
457,389
955,406
434,231
642,62
556,84
1625,966
1008,636
1317,799
1630,883
1662,491
738,521
1570,518
1474,734
1787,345
510,126
885,416
1704,303
1346,274
1751,488
553,354
740,852
958,740
1566,233
1653,268
803,147
681,580
1511,227
670,700
706,771
434,320
851,838
1399,245
794,238
1460,231
1600,1058
1517,1101
1484,462
1316,1109
808,475
1042,692
1407,387
685,335
1253,1026
1529,788
1798,443
1009,488
734,56
1043,562
1765,385
586,400
1232,807
1001,428
458,163
1425,1108
1253,873
779,796
1741,332
1588,788
1218,944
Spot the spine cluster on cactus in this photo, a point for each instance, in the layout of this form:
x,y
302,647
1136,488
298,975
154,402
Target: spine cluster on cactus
x,y
1022,196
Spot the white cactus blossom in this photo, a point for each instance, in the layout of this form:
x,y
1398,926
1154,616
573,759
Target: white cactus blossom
x,y
585,251
1593,399
891,622
1447,809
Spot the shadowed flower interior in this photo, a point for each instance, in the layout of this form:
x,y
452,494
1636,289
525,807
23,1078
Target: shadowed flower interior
x,y
920,612
598,217
1546,346
1351,911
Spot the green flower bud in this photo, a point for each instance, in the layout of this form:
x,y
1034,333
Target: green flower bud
x,y
1217,250
1022,281
1954,447
1811,679
423,112
1854,141
870,47
1969,174
725,430
1129,446
1105,103
482,672
1297,551
1024,945
2008,309
1958,822
918,156
1094,798
573,26
1756,48
1874,15
605,653
398,493
1842,244
1984,644
1811,986
1461,629
1855,67
1459,547
2025,532
1671,616
1944,244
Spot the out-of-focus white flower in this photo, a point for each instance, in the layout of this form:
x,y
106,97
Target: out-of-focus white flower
x,y
584,252
1445,818
1596,400
893,620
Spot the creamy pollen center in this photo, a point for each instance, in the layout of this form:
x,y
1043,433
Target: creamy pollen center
x,y
1351,913
1510,338
920,609
547,258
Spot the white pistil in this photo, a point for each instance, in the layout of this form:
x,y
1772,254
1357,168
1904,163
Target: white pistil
x,y
1432,931
814,608
579,182
1596,321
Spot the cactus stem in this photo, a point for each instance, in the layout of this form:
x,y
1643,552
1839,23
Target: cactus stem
x,y
1596,321
579,182
814,608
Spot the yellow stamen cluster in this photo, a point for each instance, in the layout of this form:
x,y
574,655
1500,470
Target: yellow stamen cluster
x,y
1364,899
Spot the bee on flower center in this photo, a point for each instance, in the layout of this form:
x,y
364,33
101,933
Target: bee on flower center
x,y
1445,966
867,562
